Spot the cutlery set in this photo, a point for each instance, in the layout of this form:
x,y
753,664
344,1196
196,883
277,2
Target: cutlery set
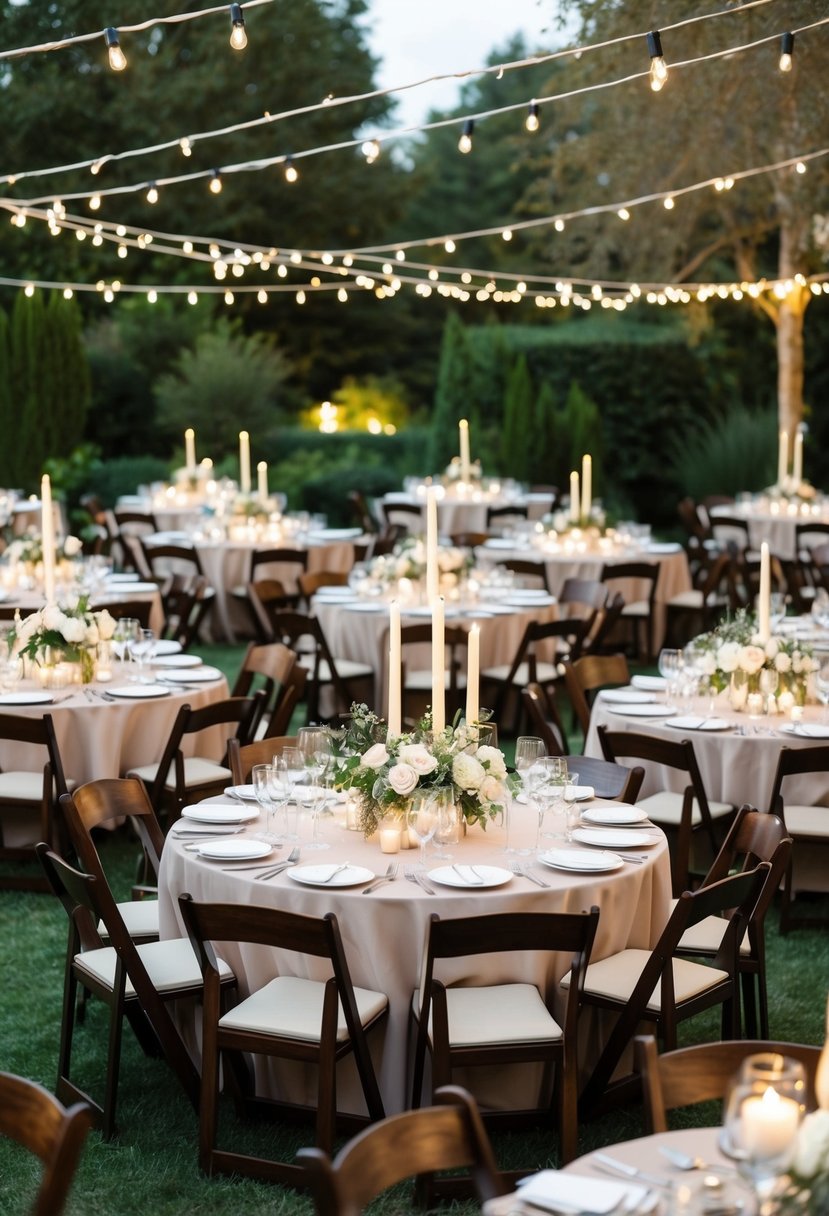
x,y
524,871
389,876
413,875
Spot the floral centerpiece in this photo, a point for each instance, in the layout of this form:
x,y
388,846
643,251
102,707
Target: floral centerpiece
x,y
386,774
28,549
561,522
69,630
408,561
735,650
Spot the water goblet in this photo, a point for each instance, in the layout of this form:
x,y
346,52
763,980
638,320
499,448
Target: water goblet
x,y
528,751
125,633
282,794
448,830
262,776
769,680
312,797
571,807
422,820
143,653
549,792
670,664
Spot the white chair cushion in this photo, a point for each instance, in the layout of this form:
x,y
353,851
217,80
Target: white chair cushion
x,y
140,917
546,673
291,1007
422,680
807,820
506,1013
347,669
197,771
170,965
686,599
707,934
666,807
24,787
639,608
617,976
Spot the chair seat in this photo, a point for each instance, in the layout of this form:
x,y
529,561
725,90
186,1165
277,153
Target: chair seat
x,y
170,965
504,1014
545,673
197,771
421,681
706,935
617,976
808,820
24,786
291,1007
639,608
665,807
347,669
140,917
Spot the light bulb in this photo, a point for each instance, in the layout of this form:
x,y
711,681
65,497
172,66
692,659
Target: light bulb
x,y
371,150
184,144
786,51
659,69
533,122
95,202
465,141
238,34
291,171
215,182
152,193
117,58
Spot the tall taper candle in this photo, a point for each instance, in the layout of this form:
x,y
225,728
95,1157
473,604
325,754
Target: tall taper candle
x,y
575,505
190,448
394,718
797,459
473,674
432,576
47,527
463,436
782,457
262,483
586,486
764,598
244,462
438,667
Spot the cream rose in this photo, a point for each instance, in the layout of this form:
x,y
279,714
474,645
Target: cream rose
x,y
752,659
467,772
728,656
106,625
492,790
72,546
375,757
419,757
783,662
402,778
492,759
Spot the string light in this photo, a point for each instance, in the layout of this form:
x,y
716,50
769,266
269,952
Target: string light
x,y
532,122
371,150
186,149
465,141
152,193
623,213
215,185
659,68
238,34
95,202
786,52
117,58
291,171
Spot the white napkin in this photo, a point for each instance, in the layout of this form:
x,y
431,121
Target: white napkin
x,y
469,875
579,1193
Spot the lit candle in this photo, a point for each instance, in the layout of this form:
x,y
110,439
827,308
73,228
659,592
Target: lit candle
x,y
473,674
764,598
262,475
769,1124
432,581
438,667
395,714
244,462
389,840
797,460
190,448
47,527
586,486
782,457
463,435
574,497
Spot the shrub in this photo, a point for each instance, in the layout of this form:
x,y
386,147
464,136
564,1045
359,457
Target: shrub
x,y
735,452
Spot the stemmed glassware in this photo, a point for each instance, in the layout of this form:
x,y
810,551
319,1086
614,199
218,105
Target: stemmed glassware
x,y
670,664
822,685
449,824
528,751
422,820
548,792
142,649
571,808
126,632
764,1108
265,789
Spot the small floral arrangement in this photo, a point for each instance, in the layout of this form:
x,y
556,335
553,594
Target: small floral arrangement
x,y
735,646
408,561
70,627
386,774
250,506
454,471
806,1189
29,548
560,522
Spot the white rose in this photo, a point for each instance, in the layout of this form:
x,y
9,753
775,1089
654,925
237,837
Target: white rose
x,y
375,757
708,663
492,790
419,757
106,625
783,662
812,1147
728,656
53,618
91,637
752,659
772,648
467,772
72,546
402,778
493,761
74,630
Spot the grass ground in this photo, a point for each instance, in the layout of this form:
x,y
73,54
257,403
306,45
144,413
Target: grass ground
x,y
151,1165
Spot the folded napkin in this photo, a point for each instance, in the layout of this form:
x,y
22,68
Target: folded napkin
x,y
579,1193
469,875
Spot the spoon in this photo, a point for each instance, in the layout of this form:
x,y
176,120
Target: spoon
x,y
684,1161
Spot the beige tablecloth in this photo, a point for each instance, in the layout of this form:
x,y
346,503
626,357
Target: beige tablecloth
x,y
467,514
384,932
777,528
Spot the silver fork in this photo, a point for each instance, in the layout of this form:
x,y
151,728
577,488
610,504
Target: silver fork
x,y
522,872
290,860
389,876
414,876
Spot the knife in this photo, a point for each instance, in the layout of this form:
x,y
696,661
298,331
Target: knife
x,y
629,1171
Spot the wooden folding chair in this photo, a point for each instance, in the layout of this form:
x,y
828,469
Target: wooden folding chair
x,y
37,1121
33,794
808,826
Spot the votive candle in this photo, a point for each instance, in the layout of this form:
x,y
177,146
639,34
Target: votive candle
x,y
769,1124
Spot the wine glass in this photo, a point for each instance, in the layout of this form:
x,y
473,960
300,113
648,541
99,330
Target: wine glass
x,y
769,680
422,820
528,751
777,609
571,808
264,788
449,822
822,684
282,791
142,649
764,1107
548,792
669,665
125,633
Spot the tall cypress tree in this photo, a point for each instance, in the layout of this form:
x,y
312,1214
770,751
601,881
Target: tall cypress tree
x,y
454,395
6,402
27,379
518,429
71,381
546,460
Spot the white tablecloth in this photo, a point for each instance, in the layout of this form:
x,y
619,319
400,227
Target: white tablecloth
x,y
468,514
778,527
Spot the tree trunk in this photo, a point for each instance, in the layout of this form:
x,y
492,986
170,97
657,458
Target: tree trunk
x,y
789,322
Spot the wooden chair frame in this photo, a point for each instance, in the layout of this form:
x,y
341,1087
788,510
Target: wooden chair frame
x,y
586,675
508,933
544,719
646,572
39,732
304,935
571,631
37,1121
274,664
792,762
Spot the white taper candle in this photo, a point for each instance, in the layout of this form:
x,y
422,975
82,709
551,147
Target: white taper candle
x,y
473,674
190,448
586,486
432,575
47,527
244,462
395,709
438,667
764,598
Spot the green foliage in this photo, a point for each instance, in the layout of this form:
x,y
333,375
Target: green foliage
x,y
518,430
123,475
227,382
582,424
543,457
735,452
360,398
454,396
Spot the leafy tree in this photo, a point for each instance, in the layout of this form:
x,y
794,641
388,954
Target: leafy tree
x,y
710,118
226,383
69,366
517,434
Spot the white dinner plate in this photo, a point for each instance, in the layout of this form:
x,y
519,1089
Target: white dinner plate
x,y
806,730
658,546
143,587
329,534
626,696
613,839
331,875
469,877
242,791
234,849
695,722
530,594
540,602
649,683
191,675
614,816
26,698
501,609
582,793
139,692
334,593
215,812
645,711
498,542
167,646
128,576
177,660
580,861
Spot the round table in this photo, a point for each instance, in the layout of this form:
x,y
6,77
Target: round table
x,y
467,512
775,522
384,932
